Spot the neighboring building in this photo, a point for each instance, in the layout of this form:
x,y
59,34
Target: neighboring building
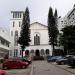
x,y
4,43
62,22
69,19
15,27
39,37
71,16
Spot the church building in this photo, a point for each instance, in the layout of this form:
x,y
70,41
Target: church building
x,y
39,44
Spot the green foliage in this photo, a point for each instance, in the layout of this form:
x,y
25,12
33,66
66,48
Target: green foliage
x,y
52,27
67,39
24,38
55,14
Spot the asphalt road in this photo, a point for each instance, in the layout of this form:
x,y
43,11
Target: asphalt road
x,y
45,68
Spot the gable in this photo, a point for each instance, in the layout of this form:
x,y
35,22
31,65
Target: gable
x,y
37,26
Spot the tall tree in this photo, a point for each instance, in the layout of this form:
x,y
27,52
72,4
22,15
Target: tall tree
x,y
55,14
56,25
67,39
52,29
24,38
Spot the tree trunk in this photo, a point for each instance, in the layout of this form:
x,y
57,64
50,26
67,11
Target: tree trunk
x,y
53,50
22,53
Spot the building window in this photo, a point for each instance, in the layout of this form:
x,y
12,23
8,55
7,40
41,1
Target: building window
x,y
2,42
72,13
16,38
61,21
15,52
16,14
16,33
11,33
27,52
13,15
10,52
13,24
47,51
36,40
20,15
32,52
7,44
20,52
19,24
37,52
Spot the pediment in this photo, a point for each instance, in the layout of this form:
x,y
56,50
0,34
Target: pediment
x,y
38,26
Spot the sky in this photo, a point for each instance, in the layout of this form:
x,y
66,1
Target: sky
x,y
38,9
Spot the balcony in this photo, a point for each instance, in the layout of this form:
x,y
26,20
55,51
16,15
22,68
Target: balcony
x,y
4,47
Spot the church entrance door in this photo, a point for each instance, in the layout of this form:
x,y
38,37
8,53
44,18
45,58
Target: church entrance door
x,y
37,53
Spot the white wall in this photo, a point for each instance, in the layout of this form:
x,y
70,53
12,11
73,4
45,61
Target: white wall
x,y
42,30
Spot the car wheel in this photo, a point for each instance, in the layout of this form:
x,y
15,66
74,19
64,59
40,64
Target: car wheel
x,y
23,67
5,67
62,63
59,63
2,74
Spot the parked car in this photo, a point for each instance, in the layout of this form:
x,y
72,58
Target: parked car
x,y
3,72
29,61
62,61
53,58
49,58
71,61
68,56
25,60
9,64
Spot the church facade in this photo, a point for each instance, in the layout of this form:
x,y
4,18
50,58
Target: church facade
x,y
39,40
39,44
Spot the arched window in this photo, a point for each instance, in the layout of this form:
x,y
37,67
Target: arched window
x,y
32,52
16,38
47,51
36,39
27,52
16,33
37,52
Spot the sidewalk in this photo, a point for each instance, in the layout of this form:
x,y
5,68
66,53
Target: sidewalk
x,y
65,67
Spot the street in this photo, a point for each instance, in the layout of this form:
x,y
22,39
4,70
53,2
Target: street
x,y
45,68
42,68
19,71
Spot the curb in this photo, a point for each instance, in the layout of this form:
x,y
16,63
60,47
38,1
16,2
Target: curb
x,y
63,69
31,72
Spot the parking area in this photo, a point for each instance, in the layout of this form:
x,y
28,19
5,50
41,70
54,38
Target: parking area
x,y
19,71
64,67
43,68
